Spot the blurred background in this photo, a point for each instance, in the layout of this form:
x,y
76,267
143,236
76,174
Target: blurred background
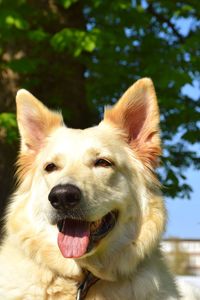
x,y
81,55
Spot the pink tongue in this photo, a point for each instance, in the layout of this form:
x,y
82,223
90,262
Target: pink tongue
x,y
73,240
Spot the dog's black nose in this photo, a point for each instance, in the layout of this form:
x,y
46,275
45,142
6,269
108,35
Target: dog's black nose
x,y
65,196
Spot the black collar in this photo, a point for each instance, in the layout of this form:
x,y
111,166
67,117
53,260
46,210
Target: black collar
x,y
83,288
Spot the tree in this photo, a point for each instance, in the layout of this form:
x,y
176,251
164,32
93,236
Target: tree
x,y
81,55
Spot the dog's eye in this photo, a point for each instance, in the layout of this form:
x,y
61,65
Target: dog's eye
x,y
101,162
50,167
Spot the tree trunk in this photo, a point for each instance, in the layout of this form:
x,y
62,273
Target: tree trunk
x,y
58,82
7,159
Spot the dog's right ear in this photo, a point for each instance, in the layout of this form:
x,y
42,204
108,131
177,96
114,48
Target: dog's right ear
x,y
35,121
137,114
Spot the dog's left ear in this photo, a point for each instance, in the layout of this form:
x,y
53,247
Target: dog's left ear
x,y
137,114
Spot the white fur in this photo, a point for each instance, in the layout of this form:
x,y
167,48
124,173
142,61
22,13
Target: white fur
x,y
128,261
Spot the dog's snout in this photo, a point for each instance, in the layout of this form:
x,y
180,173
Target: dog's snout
x,y
65,196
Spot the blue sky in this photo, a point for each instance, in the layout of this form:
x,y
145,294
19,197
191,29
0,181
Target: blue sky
x,y
184,215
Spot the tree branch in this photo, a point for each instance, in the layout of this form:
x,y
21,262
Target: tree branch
x,y
163,19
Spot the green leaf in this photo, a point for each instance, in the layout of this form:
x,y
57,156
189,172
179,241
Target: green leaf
x,y
89,43
67,3
16,21
191,136
38,35
75,41
23,65
187,8
8,127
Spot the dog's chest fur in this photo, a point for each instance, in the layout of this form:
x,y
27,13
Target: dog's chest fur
x,y
36,282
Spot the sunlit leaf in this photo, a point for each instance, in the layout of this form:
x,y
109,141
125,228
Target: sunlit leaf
x,y
8,127
67,3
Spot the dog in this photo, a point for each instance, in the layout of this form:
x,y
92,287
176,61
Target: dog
x,y
87,217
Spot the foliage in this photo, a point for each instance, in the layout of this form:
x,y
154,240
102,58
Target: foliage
x,y
8,127
75,41
89,52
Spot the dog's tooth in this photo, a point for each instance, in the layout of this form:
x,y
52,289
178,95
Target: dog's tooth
x,y
92,226
95,225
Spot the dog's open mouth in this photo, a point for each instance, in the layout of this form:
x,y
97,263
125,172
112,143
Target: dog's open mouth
x,y
77,237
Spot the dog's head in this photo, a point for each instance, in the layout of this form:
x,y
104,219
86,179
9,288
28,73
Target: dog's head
x,y
91,189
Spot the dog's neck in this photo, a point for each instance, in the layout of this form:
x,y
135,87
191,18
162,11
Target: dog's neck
x,y
115,274
85,285
111,267
97,268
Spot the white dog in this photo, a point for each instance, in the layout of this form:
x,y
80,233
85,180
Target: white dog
x,y
88,215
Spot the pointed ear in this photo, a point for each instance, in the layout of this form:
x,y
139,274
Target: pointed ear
x,y
138,115
35,121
